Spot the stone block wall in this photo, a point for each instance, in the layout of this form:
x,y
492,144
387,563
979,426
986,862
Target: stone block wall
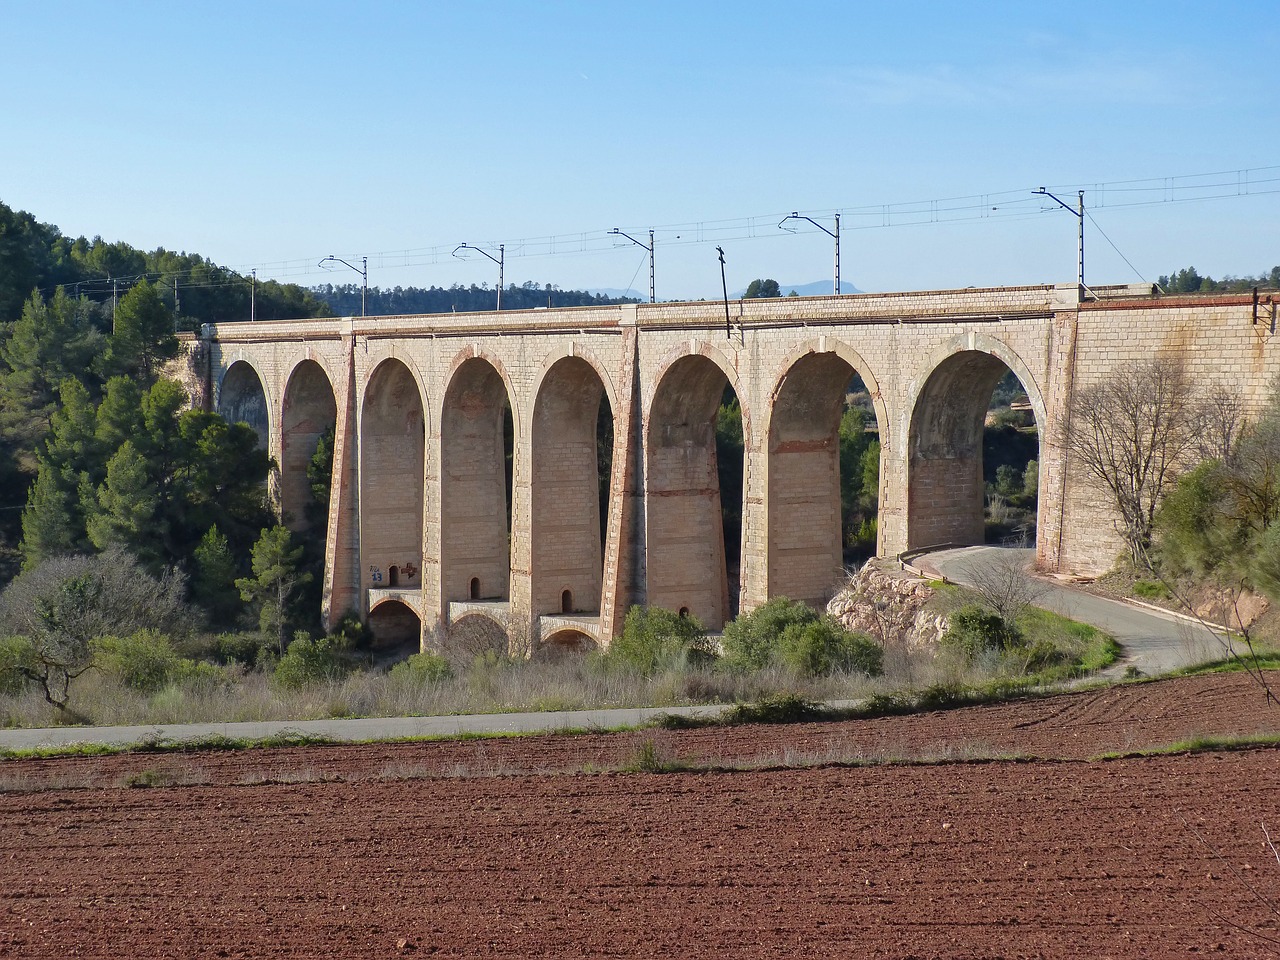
x,y
661,369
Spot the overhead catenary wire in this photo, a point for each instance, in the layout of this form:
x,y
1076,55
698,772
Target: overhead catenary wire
x,y
999,206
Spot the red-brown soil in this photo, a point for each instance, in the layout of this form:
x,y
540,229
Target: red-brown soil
x,y
484,848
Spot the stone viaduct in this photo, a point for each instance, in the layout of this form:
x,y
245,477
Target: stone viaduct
x,y
418,534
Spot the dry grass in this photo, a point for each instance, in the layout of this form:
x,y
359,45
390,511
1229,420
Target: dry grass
x,y
488,684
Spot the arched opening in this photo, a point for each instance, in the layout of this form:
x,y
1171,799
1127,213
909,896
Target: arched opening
x,y
394,624
565,643
310,413
393,576
241,399
973,456
392,451
477,437
572,454
566,602
475,636
694,514
824,468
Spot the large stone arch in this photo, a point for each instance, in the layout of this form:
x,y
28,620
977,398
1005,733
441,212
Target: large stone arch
x,y
565,643
475,553
394,623
948,407
587,356
476,633
475,352
392,471
687,568
309,411
567,560
242,398
805,533
700,348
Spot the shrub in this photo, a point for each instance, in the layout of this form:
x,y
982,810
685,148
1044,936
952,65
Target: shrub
x,y
751,641
308,661
200,675
351,634
1150,590
780,708
15,660
794,634
142,661
974,631
823,647
243,648
422,668
653,638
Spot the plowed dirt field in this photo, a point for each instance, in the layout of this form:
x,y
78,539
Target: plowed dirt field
x,y
538,847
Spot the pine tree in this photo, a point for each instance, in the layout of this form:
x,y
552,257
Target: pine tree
x,y
123,509
51,342
275,581
213,585
119,416
142,334
51,524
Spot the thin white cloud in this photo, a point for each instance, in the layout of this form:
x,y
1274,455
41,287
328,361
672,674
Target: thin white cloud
x,y
1100,83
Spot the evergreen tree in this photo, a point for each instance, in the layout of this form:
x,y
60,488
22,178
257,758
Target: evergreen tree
x,y
123,509
142,335
320,478
51,342
119,416
274,584
762,288
51,524
73,440
213,582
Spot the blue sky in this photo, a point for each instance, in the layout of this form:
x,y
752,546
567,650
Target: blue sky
x,y
268,135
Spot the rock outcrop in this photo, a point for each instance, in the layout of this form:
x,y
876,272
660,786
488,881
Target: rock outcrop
x,y
888,605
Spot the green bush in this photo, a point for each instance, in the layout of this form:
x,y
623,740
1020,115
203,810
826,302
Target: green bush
x,y
200,675
751,641
653,638
1150,590
243,648
422,668
351,634
974,631
780,708
15,657
308,661
793,634
823,647
143,661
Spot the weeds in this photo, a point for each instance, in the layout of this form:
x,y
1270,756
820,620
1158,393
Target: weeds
x,y
783,708
650,758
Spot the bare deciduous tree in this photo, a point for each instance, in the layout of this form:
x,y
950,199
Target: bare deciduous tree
x,y
1005,585
1220,422
1131,433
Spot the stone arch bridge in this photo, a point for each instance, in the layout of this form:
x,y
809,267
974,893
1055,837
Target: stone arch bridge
x,y
418,534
